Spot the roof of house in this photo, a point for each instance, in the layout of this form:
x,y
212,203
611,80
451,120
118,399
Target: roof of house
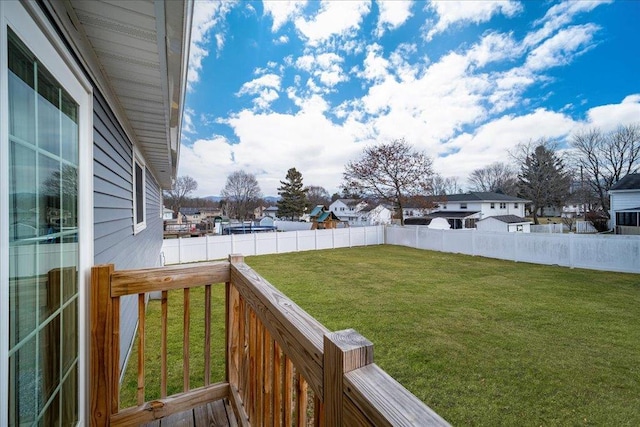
x,y
451,214
350,202
478,196
317,211
271,209
629,182
509,219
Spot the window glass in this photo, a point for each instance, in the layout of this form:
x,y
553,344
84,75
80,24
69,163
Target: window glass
x,y
139,193
43,240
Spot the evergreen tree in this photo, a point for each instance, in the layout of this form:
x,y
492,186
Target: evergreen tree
x,y
543,179
293,196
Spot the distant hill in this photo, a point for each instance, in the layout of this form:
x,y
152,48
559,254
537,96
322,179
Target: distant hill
x,y
269,199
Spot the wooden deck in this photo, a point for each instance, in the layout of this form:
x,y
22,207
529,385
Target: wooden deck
x,y
213,414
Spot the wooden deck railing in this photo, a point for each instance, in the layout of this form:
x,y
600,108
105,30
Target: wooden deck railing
x,y
282,366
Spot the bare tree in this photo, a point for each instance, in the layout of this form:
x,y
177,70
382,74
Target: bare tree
x,y
317,195
496,177
543,178
441,186
392,172
606,158
176,197
242,194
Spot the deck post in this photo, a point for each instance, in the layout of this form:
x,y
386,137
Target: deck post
x,y
231,321
101,356
344,351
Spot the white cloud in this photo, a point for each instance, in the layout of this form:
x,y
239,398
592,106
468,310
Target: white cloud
x,y
282,39
335,18
266,87
392,14
608,117
283,11
325,66
206,17
562,47
491,142
466,12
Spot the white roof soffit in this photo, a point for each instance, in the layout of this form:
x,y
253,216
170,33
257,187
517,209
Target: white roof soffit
x,y
142,47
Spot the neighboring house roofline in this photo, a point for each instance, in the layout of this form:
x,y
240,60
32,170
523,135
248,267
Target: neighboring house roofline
x,y
508,219
630,182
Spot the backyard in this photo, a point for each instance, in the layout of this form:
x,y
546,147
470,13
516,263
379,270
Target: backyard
x,y
481,341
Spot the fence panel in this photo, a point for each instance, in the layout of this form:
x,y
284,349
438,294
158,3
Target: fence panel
x,y
597,252
341,237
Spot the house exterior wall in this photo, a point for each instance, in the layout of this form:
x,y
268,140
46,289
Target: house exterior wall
x,y
493,225
621,200
485,208
114,240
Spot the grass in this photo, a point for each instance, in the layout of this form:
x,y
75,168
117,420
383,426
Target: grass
x,y
481,341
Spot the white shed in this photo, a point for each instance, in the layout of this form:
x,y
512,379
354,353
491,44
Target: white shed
x,y
502,223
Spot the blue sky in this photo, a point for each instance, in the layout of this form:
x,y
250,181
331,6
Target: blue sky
x,y
281,84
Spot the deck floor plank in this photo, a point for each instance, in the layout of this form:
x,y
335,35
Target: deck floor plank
x,y
213,414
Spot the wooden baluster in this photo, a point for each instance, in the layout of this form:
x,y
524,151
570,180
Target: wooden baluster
x,y
251,402
288,391
301,401
185,341
318,412
267,407
277,386
163,344
259,378
207,333
242,355
141,348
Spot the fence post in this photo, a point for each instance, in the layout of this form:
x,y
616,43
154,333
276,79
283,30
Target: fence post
x,y
344,351
255,243
333,238
571,242
277,246
206,246
349,236
179,250
417,236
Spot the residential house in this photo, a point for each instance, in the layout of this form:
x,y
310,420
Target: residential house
x,y
349,210
464,210
504,223
271,211
625,205
91,102
380,215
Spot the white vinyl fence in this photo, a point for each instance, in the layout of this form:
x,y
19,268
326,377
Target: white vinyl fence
x,y
597,252
208,248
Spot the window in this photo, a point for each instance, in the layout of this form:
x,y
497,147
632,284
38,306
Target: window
x,y
139,195
444,206
45,156
515,205
463,206
503,206
493,205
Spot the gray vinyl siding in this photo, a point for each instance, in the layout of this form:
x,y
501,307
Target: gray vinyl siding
x,y
114,238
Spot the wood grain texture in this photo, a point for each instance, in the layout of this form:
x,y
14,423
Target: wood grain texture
x,y
161,408
141,348
238,407
207,334
384,401
301,400
183,276
164,325
299,335
344,351
288,391
101,362
186,320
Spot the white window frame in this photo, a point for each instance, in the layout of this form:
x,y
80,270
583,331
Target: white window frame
x,y
32,26
139,160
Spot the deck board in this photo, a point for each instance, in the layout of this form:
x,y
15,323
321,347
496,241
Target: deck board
x,y
213,414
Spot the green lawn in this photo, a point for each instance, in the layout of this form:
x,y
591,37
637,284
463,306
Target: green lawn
x,y
481,341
